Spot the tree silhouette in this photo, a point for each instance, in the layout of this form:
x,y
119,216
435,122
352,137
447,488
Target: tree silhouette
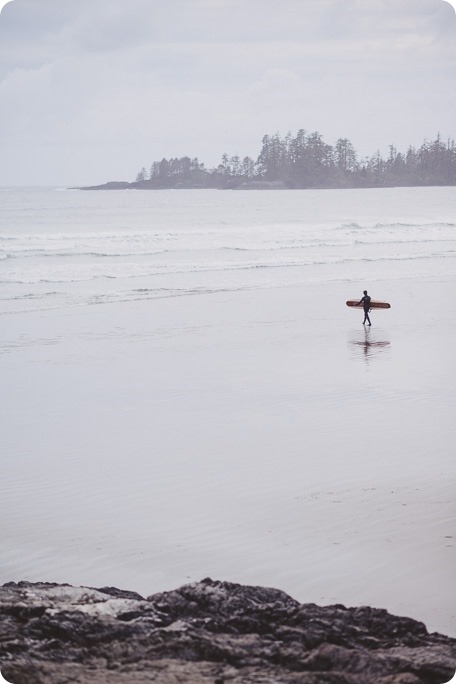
x,y
307,161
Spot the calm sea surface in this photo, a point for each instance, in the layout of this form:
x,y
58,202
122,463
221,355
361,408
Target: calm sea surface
x,y
185,394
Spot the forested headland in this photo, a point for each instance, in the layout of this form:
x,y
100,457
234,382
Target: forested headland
x,y
305,161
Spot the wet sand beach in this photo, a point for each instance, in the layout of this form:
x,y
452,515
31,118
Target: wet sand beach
x,y
261,436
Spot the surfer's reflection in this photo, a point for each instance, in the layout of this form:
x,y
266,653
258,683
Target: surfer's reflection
x,y
369,344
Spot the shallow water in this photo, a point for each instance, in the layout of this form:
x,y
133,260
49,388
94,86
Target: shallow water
x,y
256,433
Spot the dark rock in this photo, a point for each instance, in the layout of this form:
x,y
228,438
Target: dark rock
x,y
121,593
111,185
208,632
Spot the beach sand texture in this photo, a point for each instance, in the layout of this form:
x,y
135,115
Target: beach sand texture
x,y
260,436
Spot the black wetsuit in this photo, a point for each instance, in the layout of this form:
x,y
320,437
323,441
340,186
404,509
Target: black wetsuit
x,y
366,300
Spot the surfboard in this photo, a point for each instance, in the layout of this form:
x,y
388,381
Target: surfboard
x,y
374,304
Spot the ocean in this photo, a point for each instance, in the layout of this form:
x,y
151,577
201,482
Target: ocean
x,y
61,248
185,393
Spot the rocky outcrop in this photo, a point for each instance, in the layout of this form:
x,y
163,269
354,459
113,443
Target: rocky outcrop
x,y
196,180
112,185
208,632
193,180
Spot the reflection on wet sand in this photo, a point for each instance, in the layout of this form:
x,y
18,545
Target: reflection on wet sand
x,y
369,344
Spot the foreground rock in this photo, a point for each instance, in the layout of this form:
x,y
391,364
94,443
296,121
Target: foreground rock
x,y
210,631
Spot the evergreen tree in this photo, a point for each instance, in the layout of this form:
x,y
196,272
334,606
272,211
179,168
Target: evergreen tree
x,y
345,156
248,167
307,161
164,168
142,175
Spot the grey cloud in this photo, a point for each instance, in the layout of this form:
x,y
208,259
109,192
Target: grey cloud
x,y
132,80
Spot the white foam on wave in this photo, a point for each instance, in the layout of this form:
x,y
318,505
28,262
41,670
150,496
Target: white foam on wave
x,y
270,237
92,271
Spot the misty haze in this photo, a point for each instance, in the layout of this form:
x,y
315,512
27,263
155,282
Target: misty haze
x,y
185,392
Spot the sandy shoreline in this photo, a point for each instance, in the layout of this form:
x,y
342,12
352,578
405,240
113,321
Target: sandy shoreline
x,y
260,437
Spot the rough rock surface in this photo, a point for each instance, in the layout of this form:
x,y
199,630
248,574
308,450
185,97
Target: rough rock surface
x,y
208,632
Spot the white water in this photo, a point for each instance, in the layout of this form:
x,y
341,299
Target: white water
x,y
59,248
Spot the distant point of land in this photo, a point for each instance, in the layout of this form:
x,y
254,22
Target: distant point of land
x,y
303,161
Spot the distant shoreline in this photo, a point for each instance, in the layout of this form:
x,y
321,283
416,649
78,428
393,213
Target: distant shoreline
x,y
248,186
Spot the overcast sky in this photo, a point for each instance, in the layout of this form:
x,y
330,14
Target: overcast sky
x,y
91,90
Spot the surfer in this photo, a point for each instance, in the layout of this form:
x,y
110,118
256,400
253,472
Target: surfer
x,y
365,301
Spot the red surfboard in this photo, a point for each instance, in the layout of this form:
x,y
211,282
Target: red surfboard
x,y
374,304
